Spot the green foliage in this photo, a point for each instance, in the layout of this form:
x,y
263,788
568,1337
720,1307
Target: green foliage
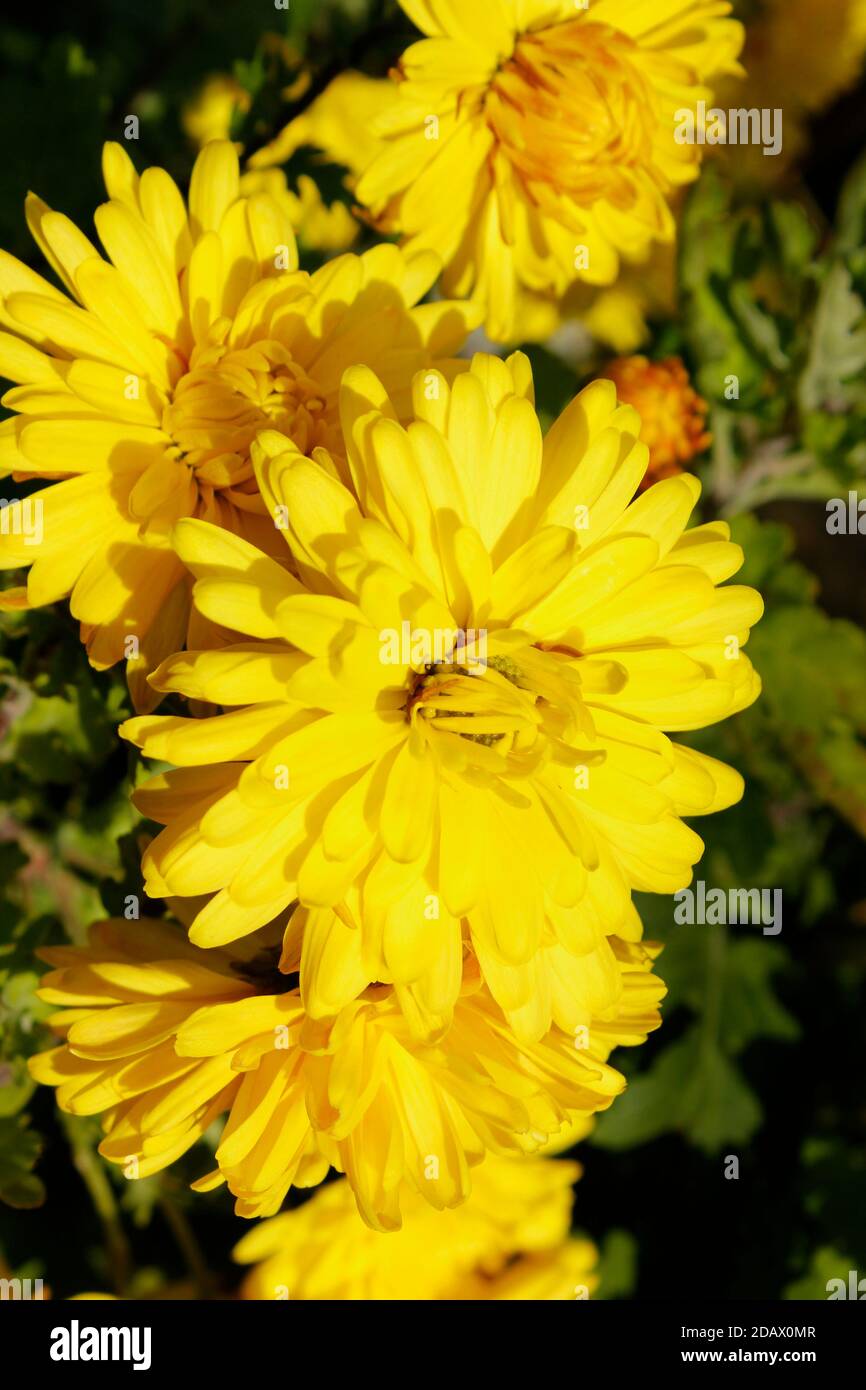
x,y
746,285
814,670
63,805
826,1264
694,1086
775,320
617,1266
19,1150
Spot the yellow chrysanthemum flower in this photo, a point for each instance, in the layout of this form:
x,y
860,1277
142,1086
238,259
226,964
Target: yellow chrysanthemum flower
x,y
507,1241
340,123
122,999
144,390
452,721
619,316
166,1038
533,146
209,114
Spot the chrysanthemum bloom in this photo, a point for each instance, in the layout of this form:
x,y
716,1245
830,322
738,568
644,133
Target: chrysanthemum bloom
x,y
509,1240
673,416
121,1000
144,390
390,1110
165,1038
340,123
533,141
452,722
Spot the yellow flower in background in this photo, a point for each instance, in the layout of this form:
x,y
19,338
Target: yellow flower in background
x,y
317,226
508,1238
339,123
145,387
619,316
484,628
211,112
165,1039
807,53
533,146
799,57
565,1274
673,415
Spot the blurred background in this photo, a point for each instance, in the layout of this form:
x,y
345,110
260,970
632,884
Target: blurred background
x,y
760,1054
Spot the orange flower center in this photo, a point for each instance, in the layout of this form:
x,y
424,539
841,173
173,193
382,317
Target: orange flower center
x,y
571,109
525,708
227,396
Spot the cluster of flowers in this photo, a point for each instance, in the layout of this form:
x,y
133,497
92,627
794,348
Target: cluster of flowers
x,y
403,943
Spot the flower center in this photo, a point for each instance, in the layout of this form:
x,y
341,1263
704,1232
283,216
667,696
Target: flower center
x,y
571,109
227,396
524,705
487,708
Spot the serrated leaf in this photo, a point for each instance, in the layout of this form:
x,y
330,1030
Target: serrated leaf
x,y
833,379
814,670
745,276
692,1089
701,963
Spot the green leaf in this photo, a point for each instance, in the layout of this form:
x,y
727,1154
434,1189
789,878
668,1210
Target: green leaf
x,y
834,380
693,1089
835,1174
814,671
745,277
735,976
16,1087
825,1264
617,1266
